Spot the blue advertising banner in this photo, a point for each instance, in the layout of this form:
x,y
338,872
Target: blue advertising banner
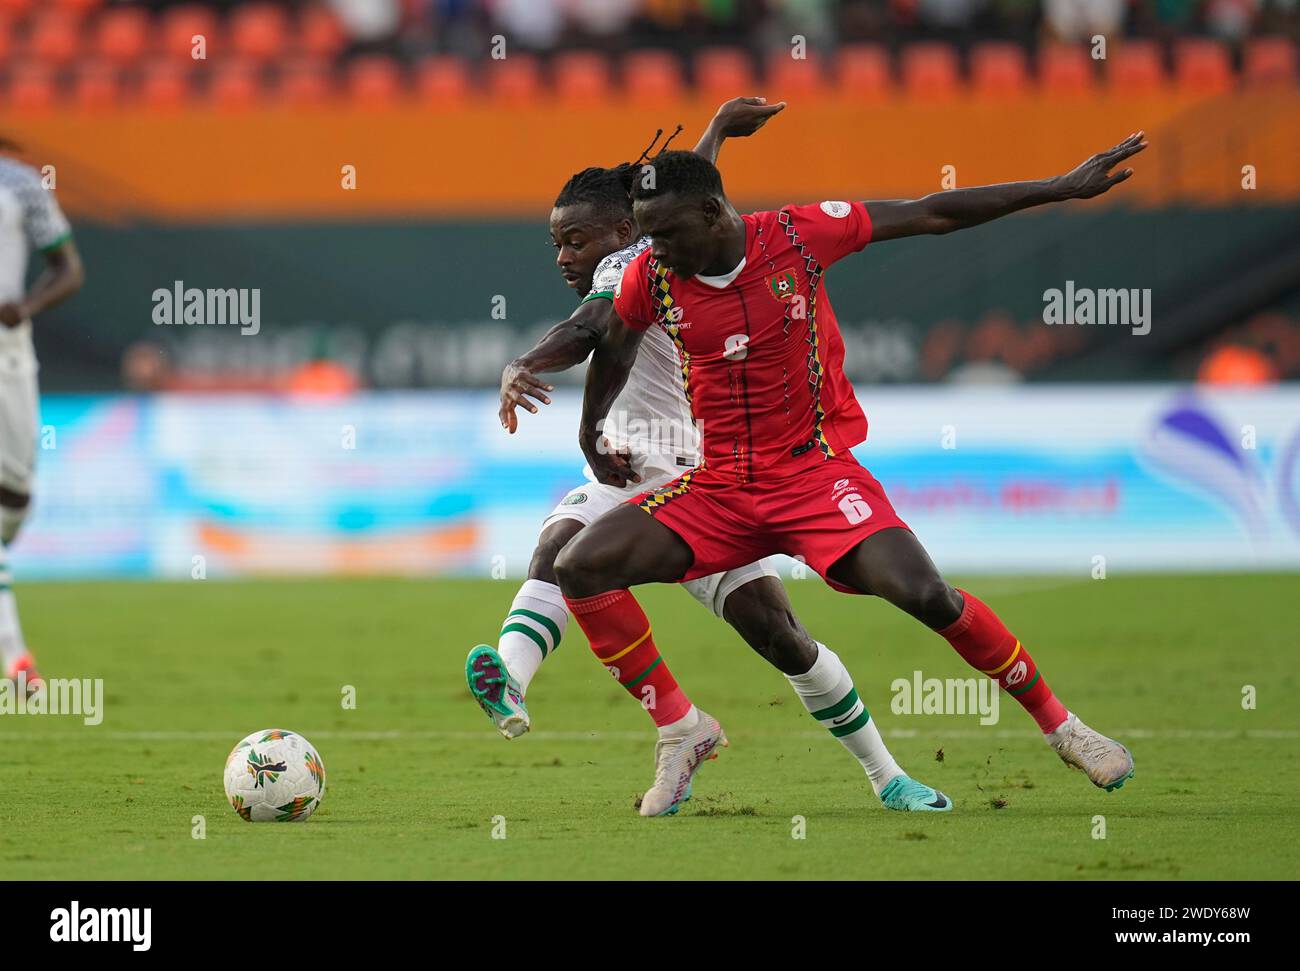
x,y
1010,479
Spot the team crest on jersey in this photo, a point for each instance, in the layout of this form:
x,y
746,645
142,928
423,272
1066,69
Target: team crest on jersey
x,y
782,284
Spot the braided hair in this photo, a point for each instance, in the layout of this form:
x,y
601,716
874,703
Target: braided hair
x,y
609,191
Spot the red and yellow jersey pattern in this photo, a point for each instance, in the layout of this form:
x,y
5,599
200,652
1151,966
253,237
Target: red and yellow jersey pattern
x,y
761,355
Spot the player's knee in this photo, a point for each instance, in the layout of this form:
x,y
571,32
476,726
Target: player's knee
x,y
14,499
935,603
579,568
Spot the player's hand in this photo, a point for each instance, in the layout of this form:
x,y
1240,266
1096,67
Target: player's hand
x,y
609,465
1093,177
517,385
12,314
741,117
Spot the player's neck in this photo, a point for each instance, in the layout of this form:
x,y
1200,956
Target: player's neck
x,y
731,246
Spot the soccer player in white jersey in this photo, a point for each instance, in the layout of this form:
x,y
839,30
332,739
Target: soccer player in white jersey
x,y
30,219
596,237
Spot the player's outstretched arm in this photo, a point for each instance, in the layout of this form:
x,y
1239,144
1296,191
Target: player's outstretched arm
x,y
610,365
944,212
565,345
737,118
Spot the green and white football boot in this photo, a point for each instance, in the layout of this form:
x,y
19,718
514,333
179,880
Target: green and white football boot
x,y
496,692
905,794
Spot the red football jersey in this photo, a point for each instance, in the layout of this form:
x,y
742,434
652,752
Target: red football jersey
x,y
762,358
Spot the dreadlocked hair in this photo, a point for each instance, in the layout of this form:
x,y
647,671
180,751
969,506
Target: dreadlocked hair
x,y
683,173
609,191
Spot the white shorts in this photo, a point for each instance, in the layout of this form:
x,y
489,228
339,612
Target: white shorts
x,y
19,414
590,501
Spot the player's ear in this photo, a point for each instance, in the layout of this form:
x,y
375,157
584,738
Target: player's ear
x,y
626,231
712,211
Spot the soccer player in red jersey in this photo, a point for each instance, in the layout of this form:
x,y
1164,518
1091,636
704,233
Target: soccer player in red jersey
x,y
744,300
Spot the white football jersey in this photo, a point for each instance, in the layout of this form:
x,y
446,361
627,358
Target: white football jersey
x,y
30,218
650,416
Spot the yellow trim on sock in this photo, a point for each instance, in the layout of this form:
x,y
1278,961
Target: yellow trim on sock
x,y
631,647
1003,667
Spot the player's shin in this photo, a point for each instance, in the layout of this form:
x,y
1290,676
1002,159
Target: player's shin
x,y
532,630
827,691
12,647
985,644
620,638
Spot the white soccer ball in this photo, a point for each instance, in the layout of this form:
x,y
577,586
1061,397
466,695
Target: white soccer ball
x,y
274,776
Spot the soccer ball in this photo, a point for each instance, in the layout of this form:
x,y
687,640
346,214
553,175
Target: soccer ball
x,y
274,776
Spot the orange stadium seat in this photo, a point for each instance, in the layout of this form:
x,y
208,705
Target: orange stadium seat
x,y
258,31
515,80
722,73
16,7
1270,60
164,83
1065,70
374,80
305,81
930,71
180,25
582,78
121,34
1136,68
999,70
650,77
1202,66
31,87
319,32
442,81
862,72
55,37
96,85
787,77
234,84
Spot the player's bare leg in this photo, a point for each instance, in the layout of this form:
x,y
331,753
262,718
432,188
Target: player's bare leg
x,y
623,548
893,565
18,664
761,613
498,678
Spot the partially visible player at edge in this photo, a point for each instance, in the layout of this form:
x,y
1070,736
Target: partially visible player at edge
x,y
595,237
30,218
744,300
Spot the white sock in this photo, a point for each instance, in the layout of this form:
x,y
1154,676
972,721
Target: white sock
x,y
827,692
11,520
532,630
683,724
12,646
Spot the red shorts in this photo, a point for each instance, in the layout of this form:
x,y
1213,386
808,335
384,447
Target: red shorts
x,y
815,508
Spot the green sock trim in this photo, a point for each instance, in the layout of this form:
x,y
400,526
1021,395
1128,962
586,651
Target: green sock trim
x,y
525,629
644,674
839,708
1032,681
853,726
541,619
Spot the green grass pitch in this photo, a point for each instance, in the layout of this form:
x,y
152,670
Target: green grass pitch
x,y
416,775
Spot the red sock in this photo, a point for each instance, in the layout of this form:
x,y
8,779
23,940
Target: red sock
x,y
985,644
620,638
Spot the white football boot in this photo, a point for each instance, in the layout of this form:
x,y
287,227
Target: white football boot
x,y
677,757
1103,760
